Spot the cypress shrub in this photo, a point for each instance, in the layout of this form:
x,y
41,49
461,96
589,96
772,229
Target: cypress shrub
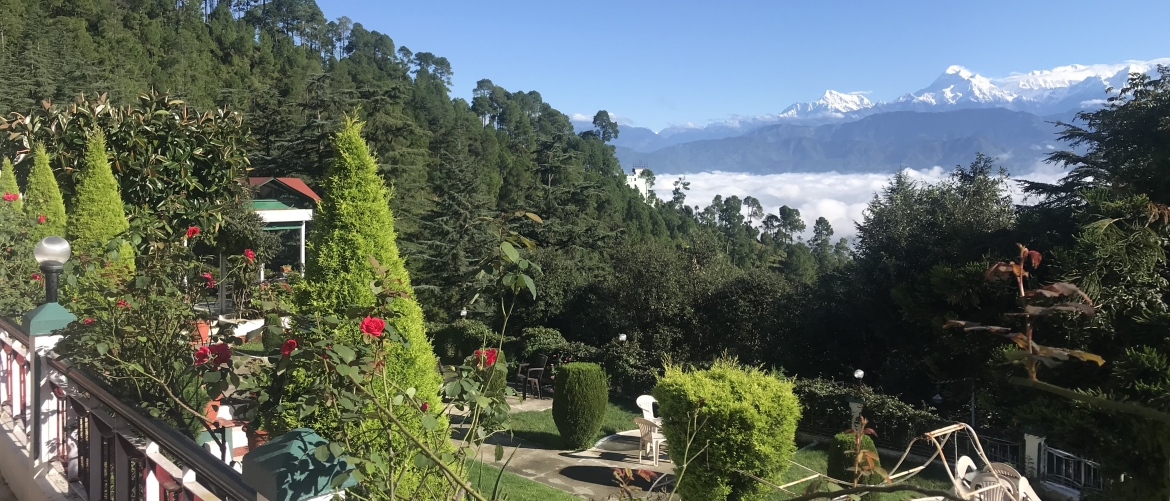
x,y
8,183
748,422
580,398
43,198
353,222
98,215
840,458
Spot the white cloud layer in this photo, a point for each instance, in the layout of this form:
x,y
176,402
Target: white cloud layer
x,y
840,198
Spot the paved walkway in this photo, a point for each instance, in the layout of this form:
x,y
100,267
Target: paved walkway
x,y
587,474
6,493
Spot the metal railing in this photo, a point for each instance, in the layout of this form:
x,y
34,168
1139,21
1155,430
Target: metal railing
x,y
104,447
1068,469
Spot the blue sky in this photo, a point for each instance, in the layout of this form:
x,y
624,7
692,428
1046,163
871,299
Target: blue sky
x,y
656,63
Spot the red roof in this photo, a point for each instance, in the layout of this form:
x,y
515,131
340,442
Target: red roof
x,y
294,183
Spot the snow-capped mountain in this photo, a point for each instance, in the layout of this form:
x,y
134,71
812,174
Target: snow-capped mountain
x,y
831,105
957,87
1057,91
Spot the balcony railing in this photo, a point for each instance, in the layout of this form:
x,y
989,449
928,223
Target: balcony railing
x,y
1069,470
104,448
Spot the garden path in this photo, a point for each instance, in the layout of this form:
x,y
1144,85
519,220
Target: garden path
x,y
587,474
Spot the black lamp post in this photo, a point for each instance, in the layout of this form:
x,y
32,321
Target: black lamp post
x,y
51,254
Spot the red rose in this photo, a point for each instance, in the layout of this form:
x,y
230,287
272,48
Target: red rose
x,y
41,219
192,231
36,276
251,256
122,304
424,406
486,358
373,326
210,280
222,352
10,197
202,355
288,347
87,321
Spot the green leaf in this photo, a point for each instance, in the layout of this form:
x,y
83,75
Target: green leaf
x,y
421,461
531,285
346,353
509,251
102,348
211,377
397,400
321,452
410,392
499,452
429,422
335,449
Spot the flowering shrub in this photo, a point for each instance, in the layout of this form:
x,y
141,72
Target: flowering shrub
x,y
141,335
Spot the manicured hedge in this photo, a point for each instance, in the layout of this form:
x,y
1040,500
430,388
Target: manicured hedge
x,y
840,460
747,422
824,412
580,398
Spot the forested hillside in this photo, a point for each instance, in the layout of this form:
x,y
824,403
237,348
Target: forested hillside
x,y
678,279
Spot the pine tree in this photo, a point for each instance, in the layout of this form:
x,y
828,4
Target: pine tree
x,y
8,183
98,214
42,199
353,223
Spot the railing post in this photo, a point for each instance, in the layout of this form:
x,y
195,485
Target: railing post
x,y
42,400
1033,446
95,459
285,469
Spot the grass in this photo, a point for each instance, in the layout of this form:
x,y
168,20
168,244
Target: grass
x,y
538,426
512,486
815,457
254,348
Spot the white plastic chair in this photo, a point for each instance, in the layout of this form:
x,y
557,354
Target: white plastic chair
x,y
646,403
650,439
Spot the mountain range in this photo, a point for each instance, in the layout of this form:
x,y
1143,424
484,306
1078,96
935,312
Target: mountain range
x,y
944,123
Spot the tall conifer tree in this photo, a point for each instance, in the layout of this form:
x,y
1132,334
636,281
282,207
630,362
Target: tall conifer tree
x,y
353,223
42,199
8,183
98,213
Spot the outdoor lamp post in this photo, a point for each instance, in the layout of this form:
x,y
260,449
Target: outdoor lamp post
x,y
855,402
937,399
51,254
463,313
622,337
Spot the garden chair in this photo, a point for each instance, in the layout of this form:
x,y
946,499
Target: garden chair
x,y
651,439
531,373
646,403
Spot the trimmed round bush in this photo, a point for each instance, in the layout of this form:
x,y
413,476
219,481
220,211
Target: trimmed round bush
x,y
580,398
747,422
541,341
840,458
459,339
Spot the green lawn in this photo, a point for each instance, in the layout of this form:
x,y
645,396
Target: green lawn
x,y
254,348
815,457
513,487
538,426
